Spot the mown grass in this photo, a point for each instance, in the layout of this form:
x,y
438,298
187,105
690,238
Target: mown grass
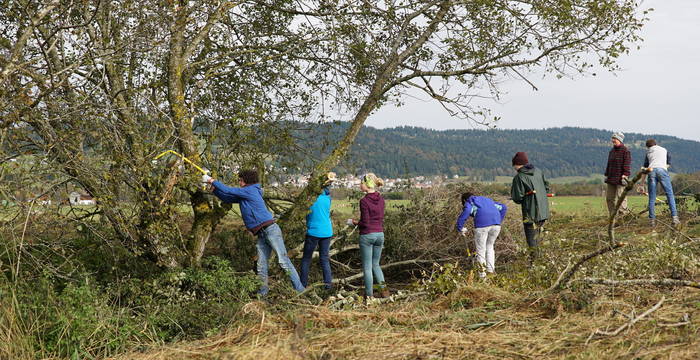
x,y
451,315
510,316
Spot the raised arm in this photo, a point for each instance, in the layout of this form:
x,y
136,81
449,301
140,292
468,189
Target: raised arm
x,y
228,194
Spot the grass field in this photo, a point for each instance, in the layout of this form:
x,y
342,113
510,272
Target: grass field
x,y
556,180
591,205
511,315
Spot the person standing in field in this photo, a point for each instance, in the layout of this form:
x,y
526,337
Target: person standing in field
x,y
656,166
617,173
371,225
530,190
319,231
259,221
488,216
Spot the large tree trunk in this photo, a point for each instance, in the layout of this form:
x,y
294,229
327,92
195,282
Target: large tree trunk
x,y
380,86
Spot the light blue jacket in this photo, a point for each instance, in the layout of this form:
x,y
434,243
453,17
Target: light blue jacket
x,y
249,198
318,221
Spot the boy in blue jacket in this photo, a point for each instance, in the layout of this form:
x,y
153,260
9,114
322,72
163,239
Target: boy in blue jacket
x,y
259,221
488,216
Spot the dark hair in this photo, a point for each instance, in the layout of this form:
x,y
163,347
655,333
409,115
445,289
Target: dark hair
x,y
466,196
248,176
651,142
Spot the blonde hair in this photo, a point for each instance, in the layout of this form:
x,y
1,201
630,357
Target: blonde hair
x,y
372,180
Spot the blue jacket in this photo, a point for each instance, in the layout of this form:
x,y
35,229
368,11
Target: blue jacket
x,y
250,200
485,211
318,221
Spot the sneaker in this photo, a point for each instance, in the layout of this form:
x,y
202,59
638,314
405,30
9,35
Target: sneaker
x,y
652,222
676,220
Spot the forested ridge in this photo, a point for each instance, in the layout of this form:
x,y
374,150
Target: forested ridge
x,y
483,154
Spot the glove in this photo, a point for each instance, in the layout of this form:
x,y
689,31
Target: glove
x,y
463,232
207,179
350,222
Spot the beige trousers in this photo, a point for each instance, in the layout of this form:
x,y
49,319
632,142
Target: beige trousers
x,y
613,193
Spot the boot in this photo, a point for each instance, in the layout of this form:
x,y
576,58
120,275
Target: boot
x,y
531,235
533,254
652,223
676,220
383,293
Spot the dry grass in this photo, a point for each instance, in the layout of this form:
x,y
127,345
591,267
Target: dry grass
x,y
498,319
423,329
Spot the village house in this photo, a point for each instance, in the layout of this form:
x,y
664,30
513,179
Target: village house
x,y
76,198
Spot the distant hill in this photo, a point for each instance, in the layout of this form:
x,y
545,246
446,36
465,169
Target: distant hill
x,y
484,154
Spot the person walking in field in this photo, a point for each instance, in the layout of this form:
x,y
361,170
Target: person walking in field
x,y
319,231
617,173
371,225
488,216
529,189
259,221
656,166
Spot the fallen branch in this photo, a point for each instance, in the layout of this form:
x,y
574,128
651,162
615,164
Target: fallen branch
x,y
341,300
383,267
482,325
344,266
342,234
570,269
685,321
656,282
620,200
628,324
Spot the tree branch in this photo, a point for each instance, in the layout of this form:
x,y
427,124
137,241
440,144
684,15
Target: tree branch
x,y
655,282
569,271
628,324
611,219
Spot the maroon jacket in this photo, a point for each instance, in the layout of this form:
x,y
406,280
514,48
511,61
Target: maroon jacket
x,y
371,213
619,161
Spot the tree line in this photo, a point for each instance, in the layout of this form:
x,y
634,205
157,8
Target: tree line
x,y
484,154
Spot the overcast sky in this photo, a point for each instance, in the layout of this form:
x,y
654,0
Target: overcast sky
x,y
657,91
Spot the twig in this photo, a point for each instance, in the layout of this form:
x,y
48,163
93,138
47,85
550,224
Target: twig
x,y
406,262
482,325
569,271
686,321
628,324
342,234
656,282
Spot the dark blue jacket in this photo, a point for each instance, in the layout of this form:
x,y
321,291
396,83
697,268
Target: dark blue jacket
x,y
485,211
250,200
318,221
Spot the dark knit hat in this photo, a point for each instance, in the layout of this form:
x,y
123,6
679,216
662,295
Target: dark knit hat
x,y
520,158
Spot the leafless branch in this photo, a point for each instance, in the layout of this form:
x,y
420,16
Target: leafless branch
x,y
628,324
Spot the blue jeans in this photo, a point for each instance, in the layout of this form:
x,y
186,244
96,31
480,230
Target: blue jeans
x,y
324,245
660,175
270,239
371,250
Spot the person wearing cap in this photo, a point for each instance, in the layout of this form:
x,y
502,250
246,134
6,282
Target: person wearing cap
x,y
371,225
319,231
656,166
260,222
617,172
529,189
